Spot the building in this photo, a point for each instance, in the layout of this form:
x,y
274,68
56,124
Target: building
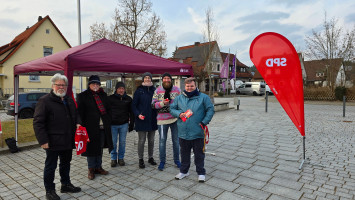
x,y
42,39
325,72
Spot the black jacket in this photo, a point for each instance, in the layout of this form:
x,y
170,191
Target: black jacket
x,y
121,110
55,123
90,116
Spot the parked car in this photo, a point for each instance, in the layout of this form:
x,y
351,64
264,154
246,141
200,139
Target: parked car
x,y
252,88
27,104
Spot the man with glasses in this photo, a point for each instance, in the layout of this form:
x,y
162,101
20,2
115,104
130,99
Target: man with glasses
x,y
55,121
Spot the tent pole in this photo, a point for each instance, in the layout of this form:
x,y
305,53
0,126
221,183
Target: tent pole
x,y
304,152
16,87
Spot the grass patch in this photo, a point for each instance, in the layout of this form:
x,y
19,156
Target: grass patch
x,y
25,130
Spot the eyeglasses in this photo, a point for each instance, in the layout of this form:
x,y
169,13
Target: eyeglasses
x,y
60,85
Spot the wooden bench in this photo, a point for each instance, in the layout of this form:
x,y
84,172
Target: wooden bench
x,y
221,106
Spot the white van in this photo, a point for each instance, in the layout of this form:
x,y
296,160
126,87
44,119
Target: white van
x,y
252,88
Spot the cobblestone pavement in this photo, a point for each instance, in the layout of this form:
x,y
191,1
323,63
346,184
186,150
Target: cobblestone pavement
x,y
257,157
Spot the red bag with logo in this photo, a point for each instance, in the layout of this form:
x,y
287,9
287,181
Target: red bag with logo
x,y
81,138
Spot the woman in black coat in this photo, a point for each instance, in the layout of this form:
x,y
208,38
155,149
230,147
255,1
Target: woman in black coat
x,y
145,118
95,112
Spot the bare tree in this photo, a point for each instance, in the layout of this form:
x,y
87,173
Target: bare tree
x,y
330,43
210,35
135,25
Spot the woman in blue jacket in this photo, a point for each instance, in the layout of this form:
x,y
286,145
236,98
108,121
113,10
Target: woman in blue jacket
x,y
145,118
191,134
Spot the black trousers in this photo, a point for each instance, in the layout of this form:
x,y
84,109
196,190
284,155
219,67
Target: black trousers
x,y
50,166
185,150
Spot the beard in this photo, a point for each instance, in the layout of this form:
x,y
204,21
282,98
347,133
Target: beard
x,y
167,85
60,94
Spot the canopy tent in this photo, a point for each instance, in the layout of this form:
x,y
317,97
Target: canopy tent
x,y
100,57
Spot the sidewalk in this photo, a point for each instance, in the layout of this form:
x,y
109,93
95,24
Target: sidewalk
x,y
257,157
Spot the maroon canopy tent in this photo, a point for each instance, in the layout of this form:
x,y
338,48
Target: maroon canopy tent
x,y
101,57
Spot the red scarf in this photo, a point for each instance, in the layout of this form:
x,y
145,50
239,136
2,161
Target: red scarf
x,y
98,101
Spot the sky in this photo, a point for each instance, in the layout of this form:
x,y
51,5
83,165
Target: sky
x,y
237,22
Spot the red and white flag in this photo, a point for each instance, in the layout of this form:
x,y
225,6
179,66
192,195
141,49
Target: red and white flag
x,y
81,139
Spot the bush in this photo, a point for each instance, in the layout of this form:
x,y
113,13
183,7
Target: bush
x,y
220,94
340,92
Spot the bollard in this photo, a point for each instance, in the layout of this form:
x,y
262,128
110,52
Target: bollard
x,y
266,100
237,102
344,100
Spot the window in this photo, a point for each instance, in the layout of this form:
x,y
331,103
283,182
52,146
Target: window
x,y
218,67
47,51
47,31
33,78
247,86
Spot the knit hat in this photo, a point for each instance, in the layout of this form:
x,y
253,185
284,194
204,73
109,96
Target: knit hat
x,y
147,74
166,74
120,84
94,79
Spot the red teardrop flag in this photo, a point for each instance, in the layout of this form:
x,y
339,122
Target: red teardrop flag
x,y
278,63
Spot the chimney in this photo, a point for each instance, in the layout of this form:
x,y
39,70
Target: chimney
x,y
40,18
27,28
197,43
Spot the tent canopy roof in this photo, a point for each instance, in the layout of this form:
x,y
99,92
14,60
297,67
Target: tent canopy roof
x,y
102,57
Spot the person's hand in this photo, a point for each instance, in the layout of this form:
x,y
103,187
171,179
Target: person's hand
x,y
166,101
45,146
141,117
202,124
182,115
77,126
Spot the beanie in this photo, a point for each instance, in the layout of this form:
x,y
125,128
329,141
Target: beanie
x,y
94,79
147,74
166,74
120,84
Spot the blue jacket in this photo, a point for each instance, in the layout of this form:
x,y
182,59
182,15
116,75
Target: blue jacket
x,y
141,104
202,109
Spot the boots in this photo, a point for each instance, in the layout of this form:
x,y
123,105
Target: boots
x,y
91,174
141,163
152,161
101,171
121,162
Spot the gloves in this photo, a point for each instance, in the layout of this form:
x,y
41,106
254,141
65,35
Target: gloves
x,y
130,128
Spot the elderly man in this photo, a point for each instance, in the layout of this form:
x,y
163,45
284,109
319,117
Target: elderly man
x,y
162,98
191,134
54,123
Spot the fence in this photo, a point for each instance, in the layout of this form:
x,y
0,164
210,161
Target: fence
x,y
326,94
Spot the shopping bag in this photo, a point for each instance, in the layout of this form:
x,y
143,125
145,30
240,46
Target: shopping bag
x,y
81,139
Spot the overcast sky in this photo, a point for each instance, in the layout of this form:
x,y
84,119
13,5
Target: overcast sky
x,y
238,21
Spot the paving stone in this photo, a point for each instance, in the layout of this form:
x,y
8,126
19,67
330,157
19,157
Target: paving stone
x,y
176,192
253,183
252,193
256,175
206,190
229,195
286,183
283,191
225,185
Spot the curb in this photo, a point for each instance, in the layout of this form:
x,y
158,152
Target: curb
x,y
21,146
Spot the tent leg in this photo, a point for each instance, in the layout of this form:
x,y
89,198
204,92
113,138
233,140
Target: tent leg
x,y
304,152
16,86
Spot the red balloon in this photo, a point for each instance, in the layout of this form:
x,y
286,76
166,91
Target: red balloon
x,y
278,63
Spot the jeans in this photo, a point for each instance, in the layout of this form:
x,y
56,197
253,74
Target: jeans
x,y
197,146
121,132
96,161
65,157
163,133
142,135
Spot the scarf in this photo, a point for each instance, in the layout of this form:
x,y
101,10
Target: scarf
x,y
98,101
191,94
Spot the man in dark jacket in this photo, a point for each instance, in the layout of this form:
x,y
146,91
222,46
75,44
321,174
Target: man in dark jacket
x,y
122,121
95,113
54,123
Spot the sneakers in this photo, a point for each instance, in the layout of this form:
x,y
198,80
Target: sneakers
x,y
121,162
51,195
161,166
113,163
180,176
69,188
152,161
178,164
141,163
201,178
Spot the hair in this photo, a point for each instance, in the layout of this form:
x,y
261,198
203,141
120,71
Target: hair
x,y
57,77
189,80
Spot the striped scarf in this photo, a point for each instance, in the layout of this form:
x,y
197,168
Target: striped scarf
x,y
99,103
